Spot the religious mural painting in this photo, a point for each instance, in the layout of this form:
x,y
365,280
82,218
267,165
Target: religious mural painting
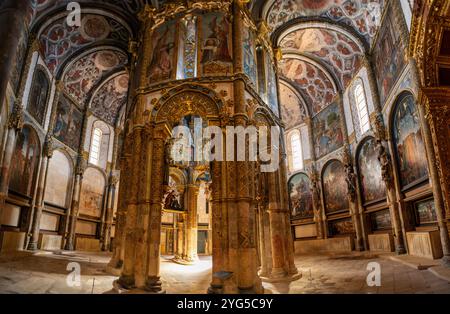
x,y
410,148
341,227
389,56
68,124
24,162
38,96
425,212
272,86
250,67
372,184
328,135
380,220
335,188
92,191
300,197
162,59
216,44
19,58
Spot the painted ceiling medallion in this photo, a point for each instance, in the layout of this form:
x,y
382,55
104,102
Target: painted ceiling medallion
x,y
95,27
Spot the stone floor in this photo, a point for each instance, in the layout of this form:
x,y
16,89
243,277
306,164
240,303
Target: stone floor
x,y
48,273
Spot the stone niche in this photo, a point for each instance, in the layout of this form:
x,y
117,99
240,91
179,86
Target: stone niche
x,y
425,244
381,242
332,245
11,241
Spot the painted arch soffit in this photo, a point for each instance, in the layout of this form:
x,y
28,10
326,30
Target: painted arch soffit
x,y
60,42
86,72
293,108
341,52
363,16
315,83
110,97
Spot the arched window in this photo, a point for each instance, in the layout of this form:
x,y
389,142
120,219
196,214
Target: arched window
x,y
361,105
296,152
94,155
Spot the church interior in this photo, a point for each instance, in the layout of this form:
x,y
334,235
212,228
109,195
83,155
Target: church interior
x,y
92,199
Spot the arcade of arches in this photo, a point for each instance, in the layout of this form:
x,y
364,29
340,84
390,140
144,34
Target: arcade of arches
x,y
359,89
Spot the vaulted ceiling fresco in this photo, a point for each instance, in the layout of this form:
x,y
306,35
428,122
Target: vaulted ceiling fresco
x,y
110,98
335,49
41,7
59,41
90,70
293,111
315,85
363,16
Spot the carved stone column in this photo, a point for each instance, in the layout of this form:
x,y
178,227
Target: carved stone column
x,y
153,283
352,193
15,124
436,102
35,228
179,252
75,205
191,225
127,278
317,202
387,175
116,263
111,195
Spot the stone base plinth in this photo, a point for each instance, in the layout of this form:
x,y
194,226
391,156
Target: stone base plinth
x,y
425,244
286,278
332,245
381,242
48,242
117,288
11,241
87,245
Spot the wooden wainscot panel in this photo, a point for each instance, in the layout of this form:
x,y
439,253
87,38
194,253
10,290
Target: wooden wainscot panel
x,y
87,244
11,241
332,245
305,231
425,244
50,242
381,242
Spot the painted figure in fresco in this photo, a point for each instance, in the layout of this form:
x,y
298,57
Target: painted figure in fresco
x,y
249,57
301,197
161,64
62,121
171,201
216,47
373,187
410,146
335,193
